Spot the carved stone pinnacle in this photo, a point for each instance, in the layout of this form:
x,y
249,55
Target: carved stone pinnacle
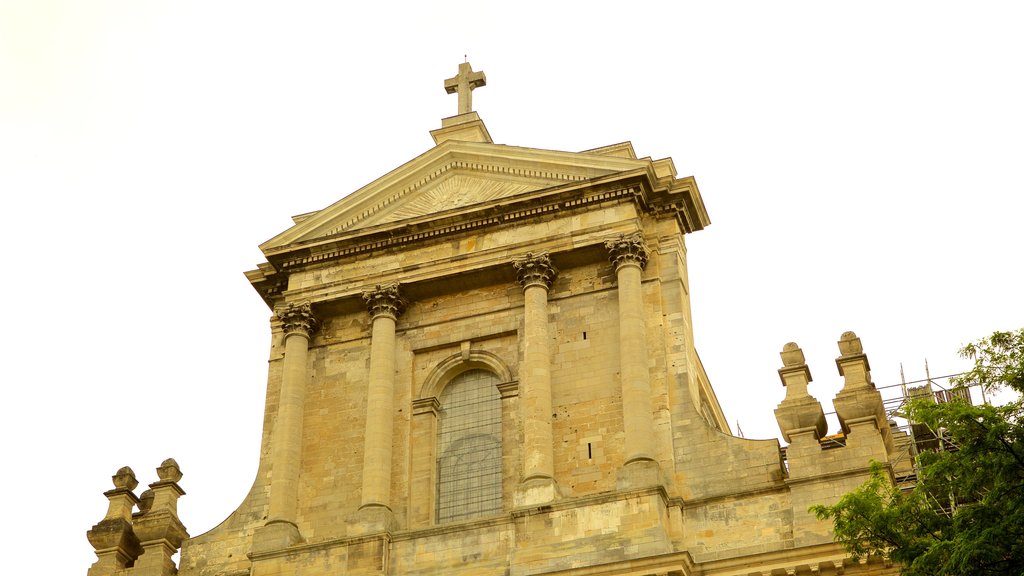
x,y
535,269
298,318
627,249
384,300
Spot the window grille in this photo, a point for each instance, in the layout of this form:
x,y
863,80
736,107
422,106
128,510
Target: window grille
x,y
469,448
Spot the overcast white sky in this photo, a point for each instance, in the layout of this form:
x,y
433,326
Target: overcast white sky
x,y
859,161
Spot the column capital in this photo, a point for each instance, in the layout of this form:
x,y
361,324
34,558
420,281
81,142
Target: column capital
x,y
298,318
627,249
535,269
384,300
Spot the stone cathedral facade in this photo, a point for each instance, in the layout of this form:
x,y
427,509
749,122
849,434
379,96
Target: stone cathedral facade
x,y
483,363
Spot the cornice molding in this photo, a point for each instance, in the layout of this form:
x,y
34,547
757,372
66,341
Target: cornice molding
x,y
474,167
483,218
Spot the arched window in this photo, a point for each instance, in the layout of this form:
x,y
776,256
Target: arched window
x,y
469,447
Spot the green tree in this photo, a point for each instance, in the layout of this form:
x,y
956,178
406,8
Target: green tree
x,y
965,515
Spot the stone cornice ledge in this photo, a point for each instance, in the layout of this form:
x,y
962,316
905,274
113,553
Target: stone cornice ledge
x,y
497,258
673,563
599,498
497,212
315,546
814,557
715,498
844,473
507,518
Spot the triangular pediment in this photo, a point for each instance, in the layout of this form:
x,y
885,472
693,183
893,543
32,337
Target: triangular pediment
x,y
454,175
456,191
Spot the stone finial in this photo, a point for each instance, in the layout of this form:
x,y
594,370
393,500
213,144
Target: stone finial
x,y
629,249
849,344
795,374
858,404
113,537
385,300
298,318
158,528
853,363
166,490
535,268
169,470
792,355
125,478
799,412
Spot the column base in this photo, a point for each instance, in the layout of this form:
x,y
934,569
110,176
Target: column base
x,y
370,519
536,492
640,473
275,535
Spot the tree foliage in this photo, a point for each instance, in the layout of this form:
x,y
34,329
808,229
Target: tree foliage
x,y
965,515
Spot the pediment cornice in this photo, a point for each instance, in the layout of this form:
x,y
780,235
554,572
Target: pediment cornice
x,y
562,199
453,174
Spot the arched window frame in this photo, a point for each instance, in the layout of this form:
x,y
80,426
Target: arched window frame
x,y
426,408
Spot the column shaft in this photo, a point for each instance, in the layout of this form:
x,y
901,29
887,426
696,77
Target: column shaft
x,y
538,459
379,414
629,256
536,273
635,377
286,440
385,305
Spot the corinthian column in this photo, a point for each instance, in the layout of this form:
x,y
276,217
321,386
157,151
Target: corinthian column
x,y
286,438
629,256
536,273
385,305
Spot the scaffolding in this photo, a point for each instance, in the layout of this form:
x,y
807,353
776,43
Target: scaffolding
x,y
910,438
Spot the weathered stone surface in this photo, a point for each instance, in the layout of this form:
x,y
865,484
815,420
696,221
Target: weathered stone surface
x,y
563,275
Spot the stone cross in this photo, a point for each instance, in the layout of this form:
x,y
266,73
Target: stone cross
x,y
464,82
